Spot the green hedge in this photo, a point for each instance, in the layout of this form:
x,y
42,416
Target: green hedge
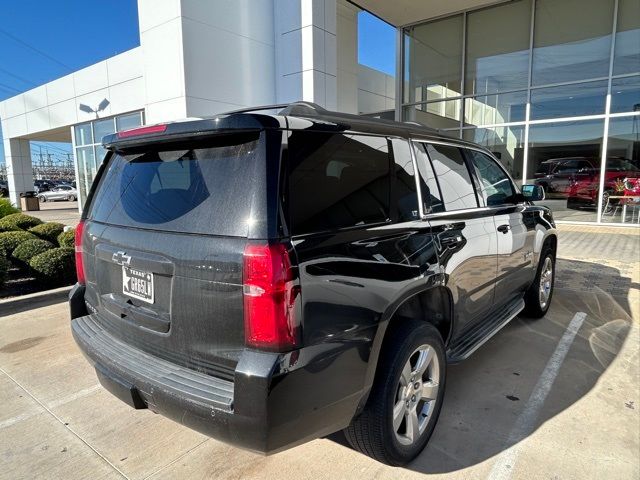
x,y
10,240
4,269
48,231
21,220
7,227
68,238
29,249
55,267
6,208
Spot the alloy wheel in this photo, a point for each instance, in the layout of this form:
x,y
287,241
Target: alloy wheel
x,y
546,282
416,395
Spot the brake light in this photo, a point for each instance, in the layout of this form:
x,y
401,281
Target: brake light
x,y
136,132
269,297
78,248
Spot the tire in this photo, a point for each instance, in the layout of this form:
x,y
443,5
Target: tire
x,y
42,198
71,198
373,432
534,306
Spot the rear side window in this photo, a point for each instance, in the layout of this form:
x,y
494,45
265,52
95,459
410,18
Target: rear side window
x,y
191,189
337,181
495,185
453,176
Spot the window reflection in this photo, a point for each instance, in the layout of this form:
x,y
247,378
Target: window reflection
x,y
569,100
433,58
621,198
572,40
500,61
436,115
627,50
494,109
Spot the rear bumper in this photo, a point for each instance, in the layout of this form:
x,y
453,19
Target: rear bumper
x,y
276,401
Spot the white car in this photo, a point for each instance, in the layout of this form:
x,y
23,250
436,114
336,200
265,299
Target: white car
x,y
61,192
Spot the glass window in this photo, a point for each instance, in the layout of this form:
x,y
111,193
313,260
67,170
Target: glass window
x,y
435,115
431,196
498,48
337,181
126,122
192,190
453,176
569,100
83,134
103,128
506,143
564,159
433,59
625,94
495,185
627,50
86,169
404,185
572,40
621,199
492,109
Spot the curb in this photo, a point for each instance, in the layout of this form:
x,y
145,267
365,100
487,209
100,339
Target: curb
x,y
10,306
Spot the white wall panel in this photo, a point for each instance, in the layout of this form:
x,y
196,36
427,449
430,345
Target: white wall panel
x,y
38,120
14,106
35,98
63,113
92,99
91,78
60,89
127,96
152,13
126,66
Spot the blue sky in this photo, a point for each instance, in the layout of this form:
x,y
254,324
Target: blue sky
x,y
41,40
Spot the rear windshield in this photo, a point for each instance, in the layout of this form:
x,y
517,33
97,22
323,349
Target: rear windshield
x,y
200,188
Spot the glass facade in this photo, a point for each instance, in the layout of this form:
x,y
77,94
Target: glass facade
x,y
87,142
551,87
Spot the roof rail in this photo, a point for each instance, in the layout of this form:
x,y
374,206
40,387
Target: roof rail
x,y
286,108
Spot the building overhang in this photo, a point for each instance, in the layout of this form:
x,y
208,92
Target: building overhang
x,y
404,12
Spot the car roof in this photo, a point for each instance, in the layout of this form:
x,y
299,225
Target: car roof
x,y
295,116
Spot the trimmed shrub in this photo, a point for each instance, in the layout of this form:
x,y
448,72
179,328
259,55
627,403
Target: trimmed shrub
x,y
29,249
6,208
68,238
55,267
48,231
21,220
10,240
4,269
7,227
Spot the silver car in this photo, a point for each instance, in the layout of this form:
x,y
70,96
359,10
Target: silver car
x,y
61,192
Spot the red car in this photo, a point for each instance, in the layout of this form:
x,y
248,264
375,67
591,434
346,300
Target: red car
x,y
583,187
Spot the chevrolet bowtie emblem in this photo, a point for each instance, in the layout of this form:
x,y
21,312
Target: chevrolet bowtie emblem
x,y
121,258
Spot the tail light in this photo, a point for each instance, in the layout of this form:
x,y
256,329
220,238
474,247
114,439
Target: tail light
x,y
269,297
78,246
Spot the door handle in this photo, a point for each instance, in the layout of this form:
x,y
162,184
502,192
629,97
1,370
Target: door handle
x,y
504,228
451,241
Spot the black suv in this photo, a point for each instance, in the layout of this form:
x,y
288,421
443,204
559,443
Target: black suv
x,y
268,279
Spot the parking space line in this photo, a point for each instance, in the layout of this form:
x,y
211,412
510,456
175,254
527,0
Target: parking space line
x,y
505,463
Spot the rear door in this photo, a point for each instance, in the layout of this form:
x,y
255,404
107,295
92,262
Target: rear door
x,y
164,240
464,233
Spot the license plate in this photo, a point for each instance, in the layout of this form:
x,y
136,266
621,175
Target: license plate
x,y
137,284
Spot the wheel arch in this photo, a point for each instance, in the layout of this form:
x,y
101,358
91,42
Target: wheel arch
x,y
432,305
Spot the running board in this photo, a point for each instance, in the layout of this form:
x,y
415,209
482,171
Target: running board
x,y
477,336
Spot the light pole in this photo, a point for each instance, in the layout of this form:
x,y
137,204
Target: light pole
x,y
101,106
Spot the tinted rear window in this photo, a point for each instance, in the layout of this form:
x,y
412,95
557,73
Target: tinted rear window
x,y
337,181
192,190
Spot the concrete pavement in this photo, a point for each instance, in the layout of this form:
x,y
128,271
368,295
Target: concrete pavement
x,y
57,422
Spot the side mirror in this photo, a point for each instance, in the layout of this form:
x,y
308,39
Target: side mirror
x,y
532,193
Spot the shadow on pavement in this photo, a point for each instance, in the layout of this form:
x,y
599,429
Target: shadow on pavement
x,y
487,393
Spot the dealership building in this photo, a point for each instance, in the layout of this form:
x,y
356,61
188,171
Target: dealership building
x,y
552,87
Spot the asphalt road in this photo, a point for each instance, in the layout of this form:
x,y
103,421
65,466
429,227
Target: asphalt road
x,y
552,398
